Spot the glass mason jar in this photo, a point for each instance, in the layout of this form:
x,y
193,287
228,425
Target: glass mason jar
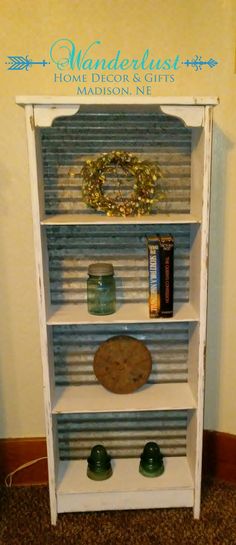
x,y
101,289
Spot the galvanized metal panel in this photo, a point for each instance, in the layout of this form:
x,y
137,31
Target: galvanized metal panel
x,y
123,434
72,248
150,134
155,137
75,346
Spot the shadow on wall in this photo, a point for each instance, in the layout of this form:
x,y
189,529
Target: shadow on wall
x,y
6,346
221,147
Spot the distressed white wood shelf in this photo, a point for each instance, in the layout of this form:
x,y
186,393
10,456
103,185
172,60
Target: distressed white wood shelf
x,y
62,133
126,489
94,398
129,313
93,219
75,100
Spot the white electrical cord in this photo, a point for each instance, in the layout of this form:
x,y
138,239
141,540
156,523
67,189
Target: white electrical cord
x,y
9,477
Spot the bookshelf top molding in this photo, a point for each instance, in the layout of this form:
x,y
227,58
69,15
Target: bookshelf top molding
x,y
44,110
57,100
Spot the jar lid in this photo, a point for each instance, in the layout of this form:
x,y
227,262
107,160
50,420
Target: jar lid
x,y
101,269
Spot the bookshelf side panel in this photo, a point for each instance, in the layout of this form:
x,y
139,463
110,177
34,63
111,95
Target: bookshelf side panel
x,y
35,170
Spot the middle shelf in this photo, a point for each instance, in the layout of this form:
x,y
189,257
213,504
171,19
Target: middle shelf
x,y
95,398
126,312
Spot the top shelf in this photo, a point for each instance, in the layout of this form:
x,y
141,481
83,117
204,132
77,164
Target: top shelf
x,y
91,219
77,100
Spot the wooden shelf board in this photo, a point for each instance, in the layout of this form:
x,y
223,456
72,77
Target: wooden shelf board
x,y
92,219
127,313
95,398
126,488
74,100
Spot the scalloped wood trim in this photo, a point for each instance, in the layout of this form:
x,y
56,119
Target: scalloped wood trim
x,y
192,116
44,117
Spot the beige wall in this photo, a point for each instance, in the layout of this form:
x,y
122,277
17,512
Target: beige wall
x,y
167,27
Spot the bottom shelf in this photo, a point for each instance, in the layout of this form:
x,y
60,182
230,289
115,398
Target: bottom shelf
x,y
126,489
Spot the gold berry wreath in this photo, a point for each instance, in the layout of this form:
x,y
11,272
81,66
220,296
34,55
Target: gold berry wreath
x,y
144,188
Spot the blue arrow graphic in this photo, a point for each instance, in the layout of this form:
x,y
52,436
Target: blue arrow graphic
x,y
197,63
18,62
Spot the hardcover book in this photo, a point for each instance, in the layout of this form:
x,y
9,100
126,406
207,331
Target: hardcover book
x,y
161,277
154,275
166,248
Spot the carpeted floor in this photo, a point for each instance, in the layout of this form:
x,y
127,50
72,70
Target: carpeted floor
x,y
25,520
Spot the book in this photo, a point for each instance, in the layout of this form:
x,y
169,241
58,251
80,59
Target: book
x,y
154,275
161,275
166,249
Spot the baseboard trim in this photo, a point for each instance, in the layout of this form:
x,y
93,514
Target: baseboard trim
x,y
17,452
219,455
219,458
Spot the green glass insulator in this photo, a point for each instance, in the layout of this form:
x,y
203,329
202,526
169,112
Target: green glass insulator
x,y
151,460
99,464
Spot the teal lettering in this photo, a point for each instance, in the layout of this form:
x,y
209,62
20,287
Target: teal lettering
x,y
58,77
158,64
166,65
145,57
134,64
175,63
81,91
144,90
62,53
87,64
124,64
81,62
112,64
100,63
103,91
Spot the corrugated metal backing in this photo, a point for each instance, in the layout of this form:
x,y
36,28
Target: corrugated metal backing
x,y
123,434
74,348
72,248
150,134
68,143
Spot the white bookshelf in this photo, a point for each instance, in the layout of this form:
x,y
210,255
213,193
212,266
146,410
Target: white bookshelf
x,y
169,409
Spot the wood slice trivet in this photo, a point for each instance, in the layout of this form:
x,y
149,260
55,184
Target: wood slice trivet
x,y
122,364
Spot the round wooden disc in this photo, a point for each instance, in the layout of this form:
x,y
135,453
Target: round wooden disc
x,y
122,364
